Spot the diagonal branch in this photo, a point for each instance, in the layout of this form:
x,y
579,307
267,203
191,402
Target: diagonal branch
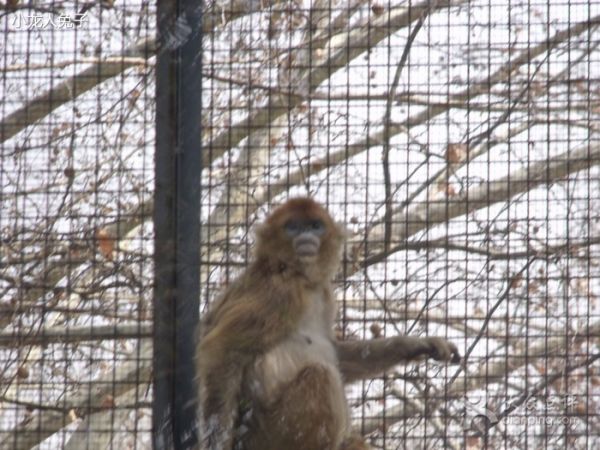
x,y
73,87
426,215
464,97
343,49
217,14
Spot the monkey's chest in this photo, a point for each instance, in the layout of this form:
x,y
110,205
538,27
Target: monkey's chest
x,y
309,345
282,364
296,391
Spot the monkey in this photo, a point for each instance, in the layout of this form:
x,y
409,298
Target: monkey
x,y
270,370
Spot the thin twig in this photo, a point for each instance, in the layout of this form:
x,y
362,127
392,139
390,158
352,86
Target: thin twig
x,y
387,123
488,318
544,383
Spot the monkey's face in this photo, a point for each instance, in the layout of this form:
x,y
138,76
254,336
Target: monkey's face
x,y
305,235
301,232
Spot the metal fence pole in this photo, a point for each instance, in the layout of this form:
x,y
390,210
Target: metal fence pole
x,y
177,221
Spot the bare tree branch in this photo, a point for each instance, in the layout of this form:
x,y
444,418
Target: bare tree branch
x,y
90,397
426,215
53,335
554,347
387,118
217,14
434,109
73,87
98,429
346,47
549,379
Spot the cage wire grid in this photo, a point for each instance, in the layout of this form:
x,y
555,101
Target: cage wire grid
x,y
456,141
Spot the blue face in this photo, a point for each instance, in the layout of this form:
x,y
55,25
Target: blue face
x,y
296,227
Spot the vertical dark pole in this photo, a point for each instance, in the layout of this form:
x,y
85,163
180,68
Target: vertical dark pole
x,y
177,221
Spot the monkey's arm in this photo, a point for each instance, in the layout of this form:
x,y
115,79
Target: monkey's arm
x,y
223,357
244,325
366,359
218,404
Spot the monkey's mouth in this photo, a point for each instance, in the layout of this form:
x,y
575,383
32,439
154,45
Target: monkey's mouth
x,y
307,250
307,247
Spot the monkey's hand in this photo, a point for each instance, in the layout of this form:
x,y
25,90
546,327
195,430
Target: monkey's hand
x,y
442,350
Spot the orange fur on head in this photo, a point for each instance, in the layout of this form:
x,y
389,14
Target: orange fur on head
x,y
274,248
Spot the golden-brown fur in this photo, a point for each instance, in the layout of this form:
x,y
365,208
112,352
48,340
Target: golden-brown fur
x,y
271,374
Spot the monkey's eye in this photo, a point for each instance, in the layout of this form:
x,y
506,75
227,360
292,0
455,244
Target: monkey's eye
x,y
292,227
317,226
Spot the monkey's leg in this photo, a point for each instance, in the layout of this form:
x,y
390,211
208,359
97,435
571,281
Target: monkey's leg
x,y
302,418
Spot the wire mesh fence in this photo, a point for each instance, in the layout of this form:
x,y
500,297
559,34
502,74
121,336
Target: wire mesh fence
x,y
457,141
77,134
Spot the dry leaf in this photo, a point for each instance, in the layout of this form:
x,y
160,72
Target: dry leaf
x,y
375,329
73,415
456,153
108,402
516,281
377,9
23,372
473,442
106,243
